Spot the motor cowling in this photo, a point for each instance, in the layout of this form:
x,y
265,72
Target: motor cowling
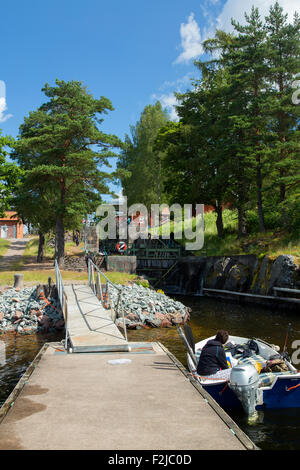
x,y
244,382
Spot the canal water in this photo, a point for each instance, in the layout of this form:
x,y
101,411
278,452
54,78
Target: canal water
x,y
273,430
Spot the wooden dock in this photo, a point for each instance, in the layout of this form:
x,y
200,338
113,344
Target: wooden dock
x,y
117,396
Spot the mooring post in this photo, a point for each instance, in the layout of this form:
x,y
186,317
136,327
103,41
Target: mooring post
x,y
18,283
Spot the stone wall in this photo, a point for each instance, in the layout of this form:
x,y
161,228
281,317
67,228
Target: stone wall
x,y
250,274
126,264
92,240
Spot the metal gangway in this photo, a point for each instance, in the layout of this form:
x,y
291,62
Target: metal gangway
x,y
90,313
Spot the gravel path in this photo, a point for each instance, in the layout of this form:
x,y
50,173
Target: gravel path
x,y
13,254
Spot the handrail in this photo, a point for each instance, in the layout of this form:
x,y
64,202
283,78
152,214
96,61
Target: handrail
x,y
62,299
98,291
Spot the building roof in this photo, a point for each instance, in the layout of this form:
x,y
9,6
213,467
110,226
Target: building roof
x,y
10,215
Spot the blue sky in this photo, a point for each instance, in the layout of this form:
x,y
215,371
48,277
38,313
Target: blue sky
x,y
132,52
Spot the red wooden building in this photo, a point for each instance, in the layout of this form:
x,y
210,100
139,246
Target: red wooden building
x,y
10,226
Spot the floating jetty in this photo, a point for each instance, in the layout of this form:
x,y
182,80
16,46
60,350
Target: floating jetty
x,y
106,393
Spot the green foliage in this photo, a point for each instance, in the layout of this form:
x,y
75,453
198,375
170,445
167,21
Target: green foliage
x,y
9,174
62,152
237,140
144,283
272,219
140,163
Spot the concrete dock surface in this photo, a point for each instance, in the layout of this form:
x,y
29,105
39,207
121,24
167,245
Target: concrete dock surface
x,y
83,401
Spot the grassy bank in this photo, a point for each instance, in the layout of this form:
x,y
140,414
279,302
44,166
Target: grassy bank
x,y
272,243
41,277
38,274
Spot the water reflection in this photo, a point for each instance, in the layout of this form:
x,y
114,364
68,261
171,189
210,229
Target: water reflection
x,y
275,429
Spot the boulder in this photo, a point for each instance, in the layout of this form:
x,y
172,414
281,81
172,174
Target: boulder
x,y
154,322
132,317
282,273
237,278
18,314
166,324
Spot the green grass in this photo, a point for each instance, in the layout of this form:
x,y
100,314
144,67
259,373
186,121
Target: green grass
x,y
41,277
31,251
4,245
272,243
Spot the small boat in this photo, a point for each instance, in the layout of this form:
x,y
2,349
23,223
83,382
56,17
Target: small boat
x,y
255,383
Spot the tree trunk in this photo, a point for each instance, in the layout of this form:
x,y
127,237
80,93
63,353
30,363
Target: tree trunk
x,y
60,241
41,248
60,227
259,198
219,221
282,199
242,226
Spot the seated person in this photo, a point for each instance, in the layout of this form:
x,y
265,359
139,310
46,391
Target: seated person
x,y
213,360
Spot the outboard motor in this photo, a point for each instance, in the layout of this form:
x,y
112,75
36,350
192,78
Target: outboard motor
x,y
244,381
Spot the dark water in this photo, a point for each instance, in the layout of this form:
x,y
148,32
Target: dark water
x,y
277,429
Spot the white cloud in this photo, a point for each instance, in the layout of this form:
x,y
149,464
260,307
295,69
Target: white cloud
x,y
177,84
237,8
169,101
3,106
190,40
166,94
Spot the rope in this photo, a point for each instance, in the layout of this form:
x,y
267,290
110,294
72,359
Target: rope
x,y
47,304
222,391
292,388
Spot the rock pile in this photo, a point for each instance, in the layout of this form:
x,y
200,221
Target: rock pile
x,y
25,311
144,308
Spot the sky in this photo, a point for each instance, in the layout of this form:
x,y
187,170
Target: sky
x,y
134,52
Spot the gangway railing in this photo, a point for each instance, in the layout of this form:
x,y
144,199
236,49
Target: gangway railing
x,y
102,291
62,296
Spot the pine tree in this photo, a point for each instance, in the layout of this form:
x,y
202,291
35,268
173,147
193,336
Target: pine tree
x,y
283,59
9,174
62,150
248,70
